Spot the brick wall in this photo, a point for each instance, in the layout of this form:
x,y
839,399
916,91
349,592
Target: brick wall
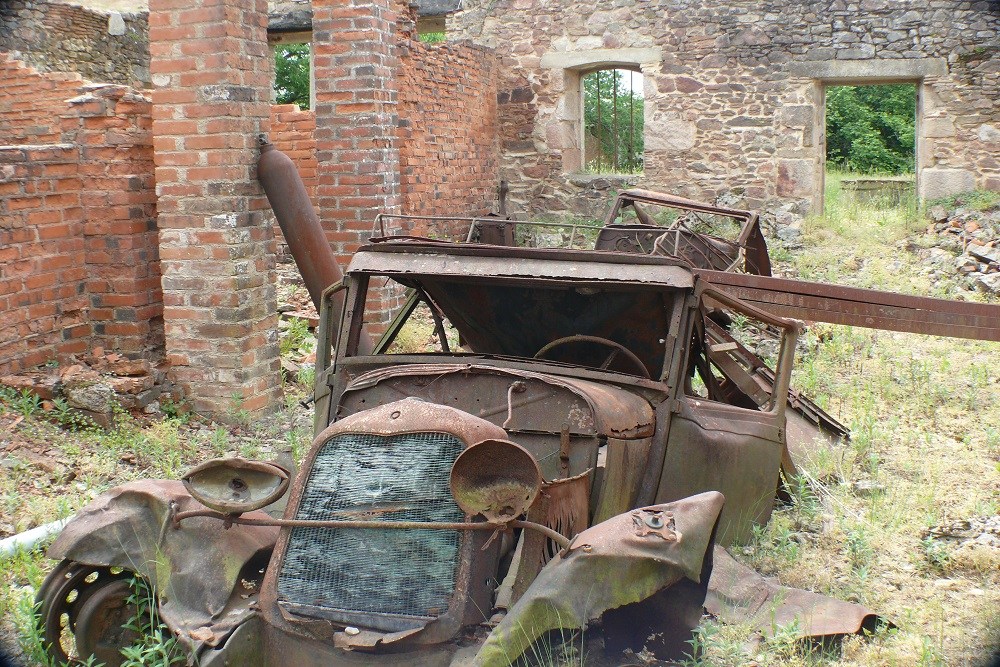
x,y
78,244
30,104
210,66
43,302
59,37
356,102
293,132
449,148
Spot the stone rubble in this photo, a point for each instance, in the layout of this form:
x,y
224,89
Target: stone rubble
x,y
95,385
966,248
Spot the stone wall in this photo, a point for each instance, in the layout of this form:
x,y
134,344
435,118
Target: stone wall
x,y
79,264
59,37
734,91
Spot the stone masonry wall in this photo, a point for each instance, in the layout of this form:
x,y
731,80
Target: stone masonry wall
x,y
78,243
59,37
734,91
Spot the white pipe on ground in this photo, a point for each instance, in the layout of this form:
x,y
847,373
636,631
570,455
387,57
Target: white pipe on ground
x,y
29,538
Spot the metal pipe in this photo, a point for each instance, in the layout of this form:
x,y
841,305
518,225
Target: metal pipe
x,y
305,236
553,535
29,539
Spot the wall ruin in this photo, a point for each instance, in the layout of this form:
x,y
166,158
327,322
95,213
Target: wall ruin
x,y
734,91
78,243
56,37
86,225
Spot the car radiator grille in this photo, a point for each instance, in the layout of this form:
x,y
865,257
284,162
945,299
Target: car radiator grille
x,y
360,574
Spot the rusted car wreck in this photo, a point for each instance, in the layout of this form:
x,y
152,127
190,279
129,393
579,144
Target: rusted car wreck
x,y
587,428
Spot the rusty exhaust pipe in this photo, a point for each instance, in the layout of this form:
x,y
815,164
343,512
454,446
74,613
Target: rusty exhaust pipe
x,y
295,214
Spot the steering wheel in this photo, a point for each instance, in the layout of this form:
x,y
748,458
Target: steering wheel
x,y
616,349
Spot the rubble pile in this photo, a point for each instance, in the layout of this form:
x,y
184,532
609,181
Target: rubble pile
x,y
967,243
94,386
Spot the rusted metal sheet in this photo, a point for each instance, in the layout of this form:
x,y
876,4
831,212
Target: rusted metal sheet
x,y
598,409
563,507
873,309
738,594
622,561
195,568
423,257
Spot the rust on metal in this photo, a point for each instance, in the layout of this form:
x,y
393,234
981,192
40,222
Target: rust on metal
x,y
197,569
497,479
300,225
855,306
577,586
738,594
236,485
447,485
370,524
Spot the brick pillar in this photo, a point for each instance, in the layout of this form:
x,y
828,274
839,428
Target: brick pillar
x,y
354,60
210,66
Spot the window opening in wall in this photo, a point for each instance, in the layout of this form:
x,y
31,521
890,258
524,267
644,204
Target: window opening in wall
x,y
436,37
870,146
291,74
613,121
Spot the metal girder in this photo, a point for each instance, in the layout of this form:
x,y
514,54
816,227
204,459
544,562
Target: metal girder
x,y
874,309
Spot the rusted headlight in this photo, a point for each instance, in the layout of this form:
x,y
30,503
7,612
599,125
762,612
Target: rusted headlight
x,y
496,478
234,486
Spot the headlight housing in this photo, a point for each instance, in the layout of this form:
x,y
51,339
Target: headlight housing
x,y
235,486
498,479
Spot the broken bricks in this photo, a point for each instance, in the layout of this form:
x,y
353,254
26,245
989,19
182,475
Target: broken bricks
x,y
94,385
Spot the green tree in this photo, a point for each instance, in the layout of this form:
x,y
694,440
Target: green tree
x,y
291,74
871,128
613,114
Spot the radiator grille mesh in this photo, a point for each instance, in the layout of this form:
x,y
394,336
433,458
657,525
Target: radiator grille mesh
x,y
396,478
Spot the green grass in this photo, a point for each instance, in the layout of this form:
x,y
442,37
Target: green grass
x,y
51,470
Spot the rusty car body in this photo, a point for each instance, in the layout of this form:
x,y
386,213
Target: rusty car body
x,y
583,430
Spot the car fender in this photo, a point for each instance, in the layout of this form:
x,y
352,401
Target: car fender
x,y
627,560
193,567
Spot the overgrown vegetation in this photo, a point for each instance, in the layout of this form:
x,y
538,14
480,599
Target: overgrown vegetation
x,y
433,37
613,118
871,129
291,74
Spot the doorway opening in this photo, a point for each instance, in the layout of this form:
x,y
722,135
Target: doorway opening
x,y
870,145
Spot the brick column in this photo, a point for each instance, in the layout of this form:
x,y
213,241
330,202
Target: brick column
x,y
354,60
210,67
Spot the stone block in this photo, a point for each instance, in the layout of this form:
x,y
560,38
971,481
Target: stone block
x,y
937,127
796,178
936,182
116,24
989,134
669,133
798,115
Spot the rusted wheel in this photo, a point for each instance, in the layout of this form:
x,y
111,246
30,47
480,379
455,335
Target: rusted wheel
x,y
81,612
